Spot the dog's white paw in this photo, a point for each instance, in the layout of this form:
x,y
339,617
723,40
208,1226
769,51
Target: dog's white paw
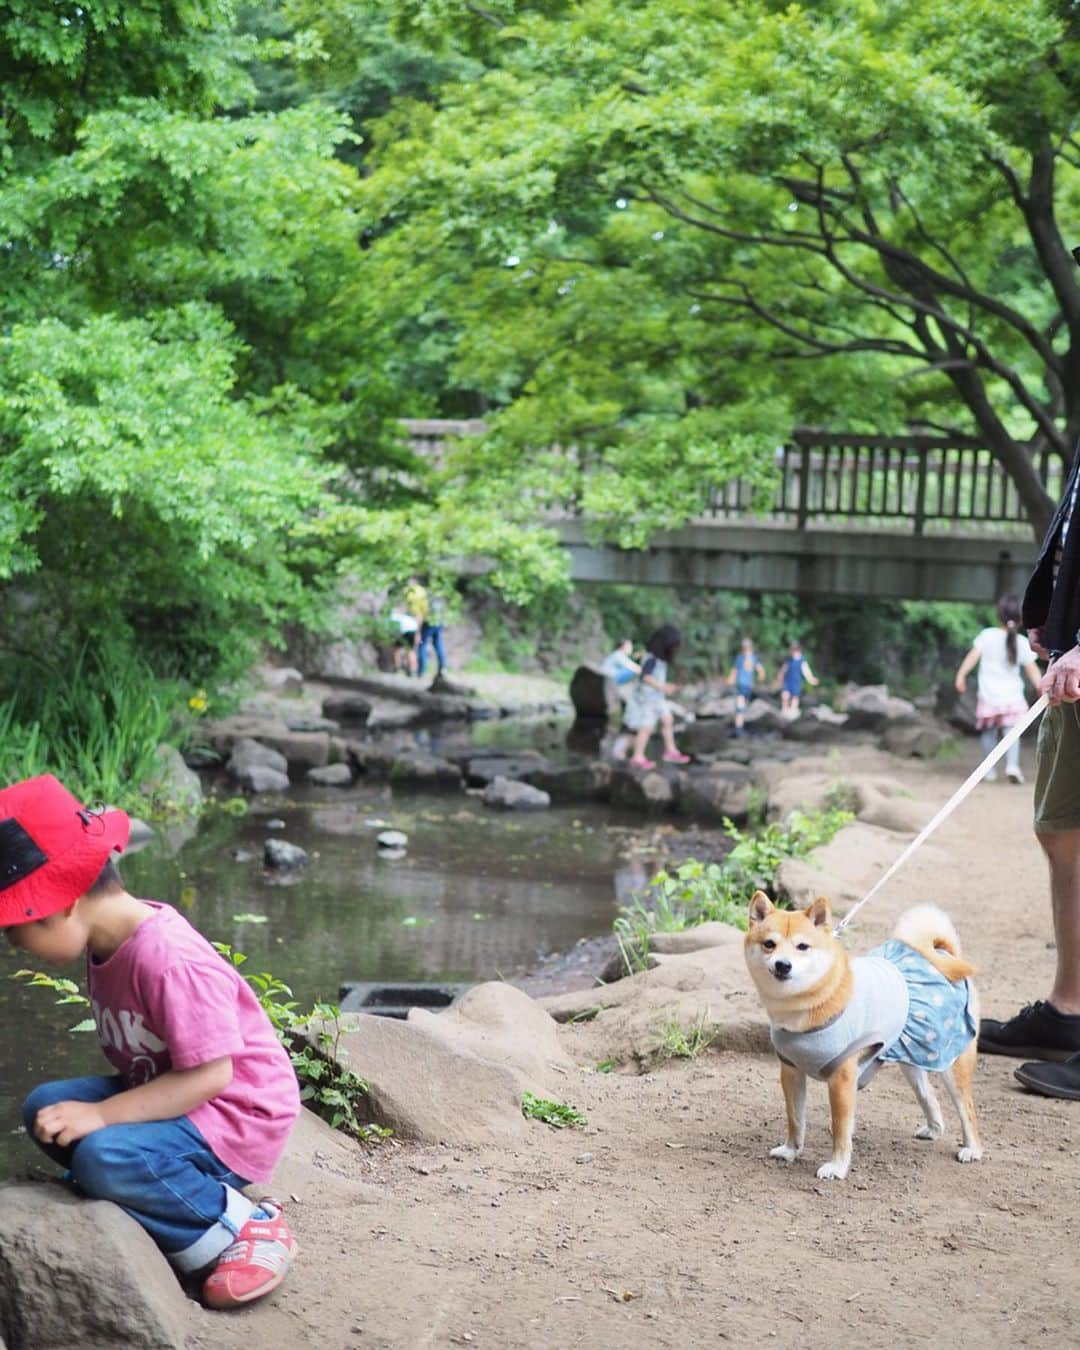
x,y
967,1154
832,1171
785,1152
930,1131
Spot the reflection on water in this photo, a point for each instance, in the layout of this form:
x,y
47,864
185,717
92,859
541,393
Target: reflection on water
x,y
478,894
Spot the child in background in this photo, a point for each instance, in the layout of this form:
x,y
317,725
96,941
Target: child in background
x,y
619,665
746,669
1004,653
203,1097
648,706
789,680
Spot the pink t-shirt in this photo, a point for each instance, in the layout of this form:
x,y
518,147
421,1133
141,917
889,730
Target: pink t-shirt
x,y
165,1000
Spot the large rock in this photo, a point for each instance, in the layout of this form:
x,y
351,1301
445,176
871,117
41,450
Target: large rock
x,y
921,739
819,723
281,679
483,769
82,1275
716,705
301,750
870,707
593,694
844,869
283,856
763,716
418,769
706,987
331,775
347,707
580,782
501,1025
648,791
249,757
173,782
509,795
426,1088
719,791
705,737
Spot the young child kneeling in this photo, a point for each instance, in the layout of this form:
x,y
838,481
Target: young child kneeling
x,y
204,1095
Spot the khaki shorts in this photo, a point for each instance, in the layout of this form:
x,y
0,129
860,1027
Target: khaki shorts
x,y
1057,770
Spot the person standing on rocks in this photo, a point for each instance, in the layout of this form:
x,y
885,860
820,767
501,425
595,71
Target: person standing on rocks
x,y
745,671
203,1095
619,665
1003,656
648,707
790,678
431,630
1048,1030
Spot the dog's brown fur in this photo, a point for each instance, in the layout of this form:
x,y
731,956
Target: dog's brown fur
x,y
804,940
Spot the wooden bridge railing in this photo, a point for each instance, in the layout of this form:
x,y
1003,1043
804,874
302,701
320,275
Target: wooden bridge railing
x,y
928,483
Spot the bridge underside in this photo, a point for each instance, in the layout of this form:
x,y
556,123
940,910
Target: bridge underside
x,y
757,558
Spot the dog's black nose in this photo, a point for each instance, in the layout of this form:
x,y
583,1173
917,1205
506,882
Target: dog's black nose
x,y
781,969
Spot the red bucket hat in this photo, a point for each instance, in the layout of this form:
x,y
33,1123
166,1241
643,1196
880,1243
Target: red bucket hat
x,y
51,848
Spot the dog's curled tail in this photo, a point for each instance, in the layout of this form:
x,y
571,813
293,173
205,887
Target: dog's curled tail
x,y
930,931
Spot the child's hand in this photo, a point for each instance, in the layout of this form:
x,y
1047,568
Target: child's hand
x,y
671,688
66,1123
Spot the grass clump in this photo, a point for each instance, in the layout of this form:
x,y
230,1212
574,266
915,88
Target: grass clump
x,y
558,1115
679,1042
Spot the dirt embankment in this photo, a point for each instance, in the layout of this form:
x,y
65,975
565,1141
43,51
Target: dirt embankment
x,y
663,1223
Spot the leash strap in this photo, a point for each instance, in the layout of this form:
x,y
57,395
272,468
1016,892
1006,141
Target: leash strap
x,y
973,779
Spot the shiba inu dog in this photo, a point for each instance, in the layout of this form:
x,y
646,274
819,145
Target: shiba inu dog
x,y
909,1002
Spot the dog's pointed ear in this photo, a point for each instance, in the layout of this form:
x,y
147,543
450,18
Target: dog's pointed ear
x,y
819,912
760,907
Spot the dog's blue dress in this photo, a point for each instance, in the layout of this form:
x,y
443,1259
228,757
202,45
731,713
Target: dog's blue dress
x,y
902,1011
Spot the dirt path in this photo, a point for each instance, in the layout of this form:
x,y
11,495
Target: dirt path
x,y
664,1224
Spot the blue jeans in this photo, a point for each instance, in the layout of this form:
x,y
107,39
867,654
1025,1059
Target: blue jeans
x,y
161,1172
430,632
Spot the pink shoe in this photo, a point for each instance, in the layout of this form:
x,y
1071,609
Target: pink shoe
x,y
640,762
675,757
254,1264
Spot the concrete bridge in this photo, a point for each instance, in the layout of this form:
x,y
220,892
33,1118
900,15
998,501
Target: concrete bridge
x,y
920,518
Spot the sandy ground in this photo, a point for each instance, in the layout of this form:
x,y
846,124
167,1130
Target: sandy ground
x,y
663,1223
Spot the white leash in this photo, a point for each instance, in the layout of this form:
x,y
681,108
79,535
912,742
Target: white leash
x,y
974,778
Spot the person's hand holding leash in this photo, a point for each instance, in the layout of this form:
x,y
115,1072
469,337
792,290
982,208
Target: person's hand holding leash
x,y
1061,683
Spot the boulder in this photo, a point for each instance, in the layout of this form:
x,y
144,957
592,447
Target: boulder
x,y
281,855
282,679
706,987
173,782
844,869
504,1026
331,775
581,782
921,738
509,795
870,707
717,705
424,1088
419,769
719,791
483,769
648,791
301,750
763,716
819,723
593,694
77,1272
257,767
705,737
261,778
347,707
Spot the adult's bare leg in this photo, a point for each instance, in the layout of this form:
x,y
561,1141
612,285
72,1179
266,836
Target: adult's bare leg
x,y
1062,849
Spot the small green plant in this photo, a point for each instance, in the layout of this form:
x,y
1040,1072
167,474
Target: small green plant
x,y
698,892
329,1088
558,1115
66,991
606,1066
679,1042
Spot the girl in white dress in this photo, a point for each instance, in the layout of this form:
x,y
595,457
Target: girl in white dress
x,y
1004,657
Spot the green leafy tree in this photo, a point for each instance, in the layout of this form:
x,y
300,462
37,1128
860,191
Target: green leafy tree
x,y
666,230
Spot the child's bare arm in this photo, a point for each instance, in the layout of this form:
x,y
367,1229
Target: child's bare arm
x,y
171,1094
808,674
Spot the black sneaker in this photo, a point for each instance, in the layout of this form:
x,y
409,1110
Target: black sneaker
x,y
1038,1031
1052,1080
